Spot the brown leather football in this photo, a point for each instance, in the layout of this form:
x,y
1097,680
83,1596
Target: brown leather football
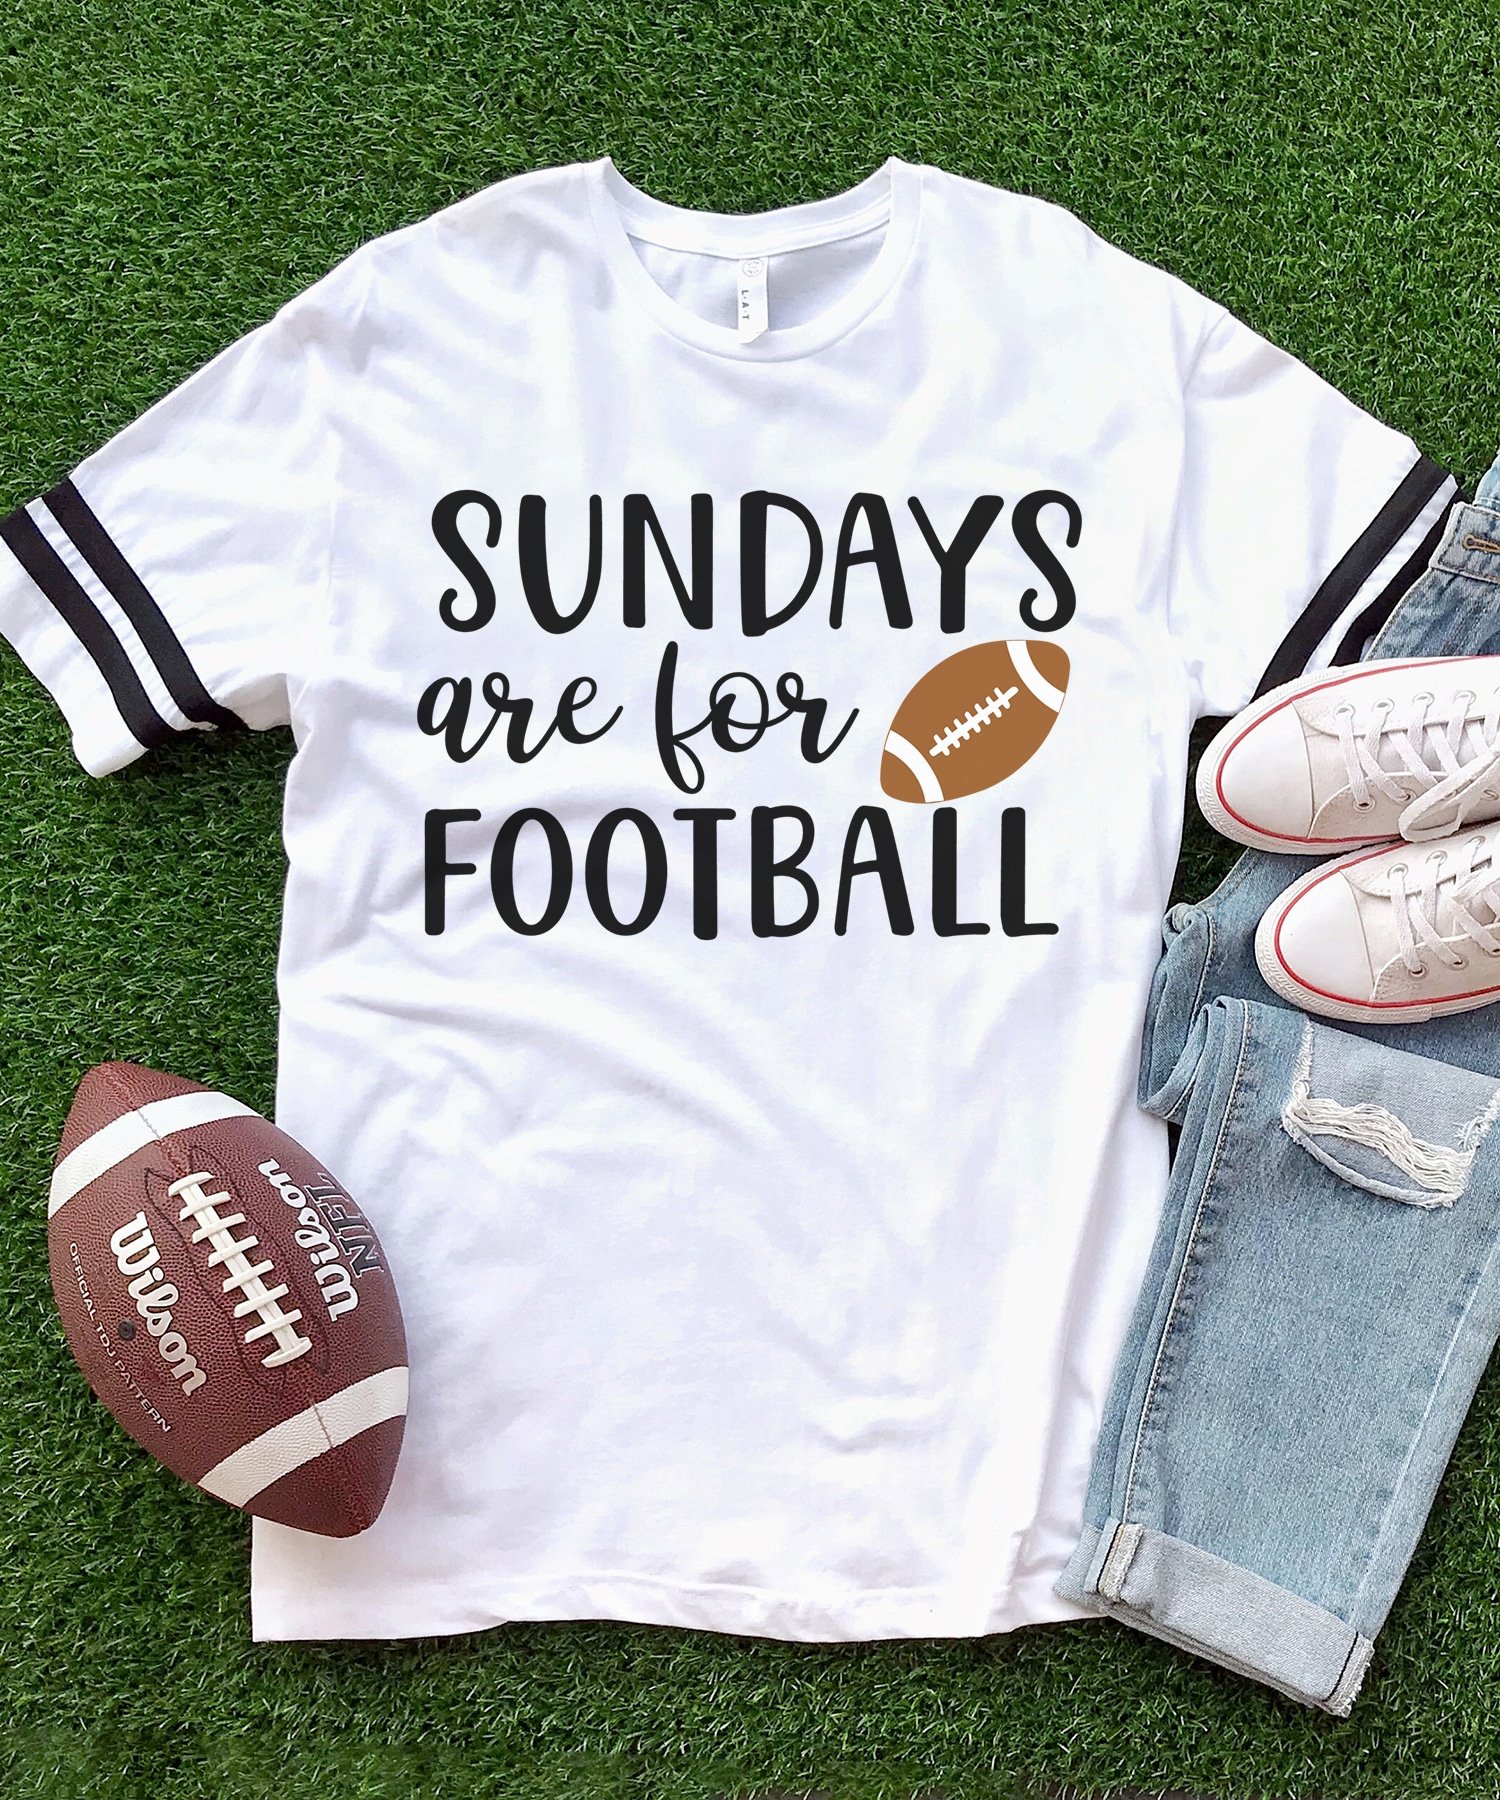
x,y
973,719
227,1300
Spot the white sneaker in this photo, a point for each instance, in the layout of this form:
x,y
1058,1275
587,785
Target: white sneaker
x,y
1352,756
1397,934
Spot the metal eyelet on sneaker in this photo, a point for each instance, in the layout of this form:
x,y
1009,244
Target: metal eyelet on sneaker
x,y
1364,805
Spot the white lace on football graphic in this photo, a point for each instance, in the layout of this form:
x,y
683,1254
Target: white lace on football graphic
x,y
973,720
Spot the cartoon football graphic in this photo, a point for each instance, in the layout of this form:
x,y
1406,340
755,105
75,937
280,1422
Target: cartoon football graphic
x,y
974,719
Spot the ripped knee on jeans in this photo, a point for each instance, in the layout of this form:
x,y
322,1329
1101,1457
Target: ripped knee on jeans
x,y
1398,1125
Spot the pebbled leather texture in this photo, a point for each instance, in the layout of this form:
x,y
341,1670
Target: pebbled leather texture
x,y
139,1349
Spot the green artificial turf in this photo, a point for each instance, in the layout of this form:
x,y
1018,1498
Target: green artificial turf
x,y
169,173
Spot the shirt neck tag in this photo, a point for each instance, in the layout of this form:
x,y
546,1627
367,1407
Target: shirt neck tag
x,y
750,297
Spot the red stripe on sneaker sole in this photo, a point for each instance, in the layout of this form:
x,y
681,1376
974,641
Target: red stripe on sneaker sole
x,y
1285,837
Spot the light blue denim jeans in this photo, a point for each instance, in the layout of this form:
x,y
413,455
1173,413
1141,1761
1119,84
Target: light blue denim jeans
x,y
1324,1288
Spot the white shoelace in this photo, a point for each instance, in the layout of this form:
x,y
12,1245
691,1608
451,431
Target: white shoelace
x,y
1448,769
1465,877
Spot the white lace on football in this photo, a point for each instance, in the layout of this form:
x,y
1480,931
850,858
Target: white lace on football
x,y
1455,896
977,716
239,1272
1446,769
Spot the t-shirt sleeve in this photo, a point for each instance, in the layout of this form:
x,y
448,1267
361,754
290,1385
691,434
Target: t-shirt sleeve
x,y
168,583
1300,521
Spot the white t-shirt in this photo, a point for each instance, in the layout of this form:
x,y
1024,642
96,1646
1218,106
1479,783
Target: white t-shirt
x,y
755,1149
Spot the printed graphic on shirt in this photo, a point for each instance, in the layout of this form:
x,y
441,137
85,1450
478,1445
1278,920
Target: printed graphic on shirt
x,y
967,724
976,718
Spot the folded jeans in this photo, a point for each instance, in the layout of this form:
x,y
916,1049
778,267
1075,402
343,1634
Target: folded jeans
x,y
1324,1289
1312,1328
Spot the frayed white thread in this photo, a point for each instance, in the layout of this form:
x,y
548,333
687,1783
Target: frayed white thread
x,y
1475,1130
1440,1169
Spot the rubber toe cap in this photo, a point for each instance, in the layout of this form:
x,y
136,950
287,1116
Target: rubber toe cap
x,y
1317,942
1265,782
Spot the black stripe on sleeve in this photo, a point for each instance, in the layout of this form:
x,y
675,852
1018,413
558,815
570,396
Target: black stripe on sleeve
x,y
58,583
1390,596
103,555
1353,570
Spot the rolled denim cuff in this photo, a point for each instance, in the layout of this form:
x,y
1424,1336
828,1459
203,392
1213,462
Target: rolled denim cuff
x,y
1191,1598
